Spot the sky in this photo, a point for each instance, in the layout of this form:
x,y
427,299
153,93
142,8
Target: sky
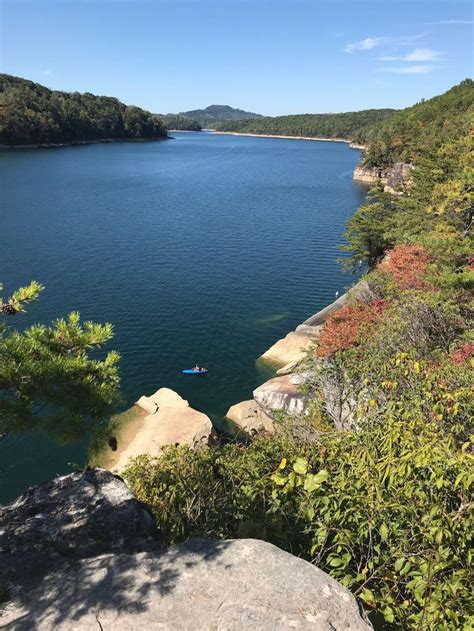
x,y
266,56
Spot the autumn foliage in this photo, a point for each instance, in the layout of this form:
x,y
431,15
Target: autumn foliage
x,y
463,354
408,264
341,330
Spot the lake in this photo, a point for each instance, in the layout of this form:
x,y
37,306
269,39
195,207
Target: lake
x,y
201,249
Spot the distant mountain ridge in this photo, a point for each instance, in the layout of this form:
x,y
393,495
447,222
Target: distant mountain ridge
x,y
214,114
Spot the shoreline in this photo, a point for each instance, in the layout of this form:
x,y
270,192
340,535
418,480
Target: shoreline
x,y
351,144
80,143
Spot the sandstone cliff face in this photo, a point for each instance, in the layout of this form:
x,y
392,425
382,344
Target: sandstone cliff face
x,y
393,178
90,562
369,175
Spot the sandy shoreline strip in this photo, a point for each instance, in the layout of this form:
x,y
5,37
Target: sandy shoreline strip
x,y
236,133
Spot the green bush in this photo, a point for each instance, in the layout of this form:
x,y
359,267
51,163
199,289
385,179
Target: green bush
x,y
386,510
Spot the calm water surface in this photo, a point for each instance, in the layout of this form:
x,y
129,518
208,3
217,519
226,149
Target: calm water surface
x,y
203,249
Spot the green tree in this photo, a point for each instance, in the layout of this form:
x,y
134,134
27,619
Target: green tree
x,y
51,377
367,232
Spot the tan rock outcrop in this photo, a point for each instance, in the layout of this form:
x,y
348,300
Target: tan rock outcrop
x,y
147,404
173,422
282,393
291,349
250,417
393,178
369,175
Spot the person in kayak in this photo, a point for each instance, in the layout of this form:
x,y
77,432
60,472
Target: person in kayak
x,y
196,368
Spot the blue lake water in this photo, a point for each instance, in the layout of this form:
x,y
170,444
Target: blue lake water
x,y
202,249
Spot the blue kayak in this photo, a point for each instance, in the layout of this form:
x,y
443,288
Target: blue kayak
x,y
191,371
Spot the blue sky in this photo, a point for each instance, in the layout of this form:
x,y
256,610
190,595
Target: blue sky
x,y
272,57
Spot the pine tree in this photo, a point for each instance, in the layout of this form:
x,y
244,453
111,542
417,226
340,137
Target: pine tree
x,y
52,377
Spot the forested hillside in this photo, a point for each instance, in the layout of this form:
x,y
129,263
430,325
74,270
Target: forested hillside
x,y
215,114
384,504
33,114
354,126
177,121
419,131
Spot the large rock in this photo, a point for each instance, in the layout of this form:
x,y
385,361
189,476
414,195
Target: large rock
x,y
173,423
393,178
250,417
291,349
226,585
71,516
282,393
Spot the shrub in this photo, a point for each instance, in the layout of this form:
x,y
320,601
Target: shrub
x,y
409,265
386,511
463,354
342,328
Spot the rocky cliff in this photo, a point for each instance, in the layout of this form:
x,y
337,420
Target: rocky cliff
x,y
393,178
283,392
81,553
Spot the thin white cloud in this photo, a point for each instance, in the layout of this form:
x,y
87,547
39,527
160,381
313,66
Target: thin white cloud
x,y
364,44
421,69
419,54
446,22
372,42
423,54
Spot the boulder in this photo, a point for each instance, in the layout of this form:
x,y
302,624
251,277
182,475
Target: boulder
x,y
282,393
166,398
72,516
173,423
231,585
250,417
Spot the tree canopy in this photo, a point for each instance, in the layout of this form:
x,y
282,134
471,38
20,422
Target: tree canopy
x,y
52,378
354,126
419,131
33,114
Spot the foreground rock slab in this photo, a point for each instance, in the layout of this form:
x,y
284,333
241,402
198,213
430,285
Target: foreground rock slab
x,y
71,516
173,422
231,585
250,417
